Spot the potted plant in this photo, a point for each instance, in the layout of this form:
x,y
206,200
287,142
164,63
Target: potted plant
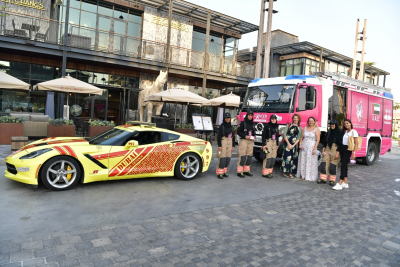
x,y
185,128
97,126
60,128
9,127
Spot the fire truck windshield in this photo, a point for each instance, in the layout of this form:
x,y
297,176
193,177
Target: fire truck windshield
x,y
270,98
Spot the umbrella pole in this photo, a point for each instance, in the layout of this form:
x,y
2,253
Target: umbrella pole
x,y
175,116
182,115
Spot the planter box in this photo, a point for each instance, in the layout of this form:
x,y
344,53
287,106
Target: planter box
x,y
8,130
60,130
185,131
95,130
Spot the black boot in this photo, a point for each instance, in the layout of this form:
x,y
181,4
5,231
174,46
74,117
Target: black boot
x,y
241,175
226,175
220,176
248,174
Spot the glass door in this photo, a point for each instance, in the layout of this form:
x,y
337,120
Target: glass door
x,y
119,36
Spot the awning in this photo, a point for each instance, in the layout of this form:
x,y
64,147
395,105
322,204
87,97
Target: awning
x,y
9,82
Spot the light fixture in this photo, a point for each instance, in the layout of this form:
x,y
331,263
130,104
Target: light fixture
x,y
121,17
212,40
196,87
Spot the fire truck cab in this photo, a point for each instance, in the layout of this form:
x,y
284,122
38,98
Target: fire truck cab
x,y
324,96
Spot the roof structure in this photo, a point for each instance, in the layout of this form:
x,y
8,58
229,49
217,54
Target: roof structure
x,y
326,54
199,13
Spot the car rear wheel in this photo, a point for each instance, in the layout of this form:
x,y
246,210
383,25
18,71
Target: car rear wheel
x,y
61,173
188,166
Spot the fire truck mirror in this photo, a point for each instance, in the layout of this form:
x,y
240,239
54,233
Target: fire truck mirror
x,y
310,94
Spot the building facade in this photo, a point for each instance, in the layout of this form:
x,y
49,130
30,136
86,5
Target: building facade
x,y
119,46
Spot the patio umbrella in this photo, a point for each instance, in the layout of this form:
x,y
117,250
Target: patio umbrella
x,y
178,96
9,82
226,101
68,84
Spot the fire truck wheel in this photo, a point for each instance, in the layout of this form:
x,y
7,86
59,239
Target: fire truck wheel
x,y
372,155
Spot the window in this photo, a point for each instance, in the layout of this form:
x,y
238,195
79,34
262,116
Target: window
x,y
170,137
113,137
291,67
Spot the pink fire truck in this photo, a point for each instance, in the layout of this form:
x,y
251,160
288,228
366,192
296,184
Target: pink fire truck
x,y
325,96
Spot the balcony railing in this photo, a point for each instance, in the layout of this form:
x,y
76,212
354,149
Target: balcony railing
x,y
51,31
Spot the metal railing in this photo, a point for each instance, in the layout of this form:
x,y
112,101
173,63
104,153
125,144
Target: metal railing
x,y
51,31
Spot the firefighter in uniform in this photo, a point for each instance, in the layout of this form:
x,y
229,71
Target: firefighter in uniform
x,y
246,132
226,145
331,155
270,141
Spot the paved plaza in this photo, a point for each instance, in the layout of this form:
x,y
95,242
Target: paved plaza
x,y
207,221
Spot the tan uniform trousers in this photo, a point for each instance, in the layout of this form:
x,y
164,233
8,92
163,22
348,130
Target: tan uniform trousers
x,y
269,161
245,154
224,156
329,164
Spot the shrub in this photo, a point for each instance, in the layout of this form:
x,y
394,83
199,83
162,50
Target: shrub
x,y
58,122
101,123
9,119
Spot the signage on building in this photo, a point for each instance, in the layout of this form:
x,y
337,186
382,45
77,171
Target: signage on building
x,y
26,3
164,22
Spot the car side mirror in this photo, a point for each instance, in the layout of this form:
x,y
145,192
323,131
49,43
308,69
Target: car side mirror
x,y
242,95
240,106
131,144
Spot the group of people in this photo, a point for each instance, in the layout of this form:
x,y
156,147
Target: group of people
x,y
299,157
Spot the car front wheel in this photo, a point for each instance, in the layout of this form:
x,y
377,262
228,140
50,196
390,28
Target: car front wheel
x,y
61,173
188,166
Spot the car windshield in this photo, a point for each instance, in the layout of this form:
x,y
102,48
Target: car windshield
x,y
111,137
270,98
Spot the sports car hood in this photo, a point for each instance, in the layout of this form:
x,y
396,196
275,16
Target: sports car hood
x,y
54,142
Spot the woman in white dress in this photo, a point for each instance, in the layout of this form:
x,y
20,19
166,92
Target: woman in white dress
x,y
308,151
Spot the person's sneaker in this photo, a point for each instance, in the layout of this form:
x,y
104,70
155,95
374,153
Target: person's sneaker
x,y
270,176
331,183
241,175
248,173
226,175
344,185
220,176
337,187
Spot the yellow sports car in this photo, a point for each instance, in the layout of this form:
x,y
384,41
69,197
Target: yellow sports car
x,y
135,150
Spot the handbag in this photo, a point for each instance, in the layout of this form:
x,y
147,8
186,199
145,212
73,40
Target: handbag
x,y
351,142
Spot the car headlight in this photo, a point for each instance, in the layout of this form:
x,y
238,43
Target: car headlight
x,y
36,153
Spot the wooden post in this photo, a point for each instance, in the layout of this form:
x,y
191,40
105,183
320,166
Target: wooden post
x,y
354,64
268,40
377,82
260,41
167,52
320,59
206,55
362,67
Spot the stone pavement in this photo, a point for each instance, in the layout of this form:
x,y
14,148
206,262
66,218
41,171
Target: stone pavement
x,y
359,226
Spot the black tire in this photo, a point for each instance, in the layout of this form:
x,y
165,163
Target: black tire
x,y
372,154
256,154
184,172
319,152
51,170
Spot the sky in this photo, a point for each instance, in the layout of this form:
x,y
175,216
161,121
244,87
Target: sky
x,y
330,24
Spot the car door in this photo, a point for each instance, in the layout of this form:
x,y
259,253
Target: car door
x,y
145,160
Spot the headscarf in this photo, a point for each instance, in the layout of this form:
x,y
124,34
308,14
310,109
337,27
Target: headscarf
x,y
334,136
273,126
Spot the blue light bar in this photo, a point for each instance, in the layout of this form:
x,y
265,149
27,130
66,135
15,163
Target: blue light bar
x,y
299,77
388,95
256,80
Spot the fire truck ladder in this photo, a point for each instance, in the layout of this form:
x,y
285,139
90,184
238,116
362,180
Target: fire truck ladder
x,y
345,81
